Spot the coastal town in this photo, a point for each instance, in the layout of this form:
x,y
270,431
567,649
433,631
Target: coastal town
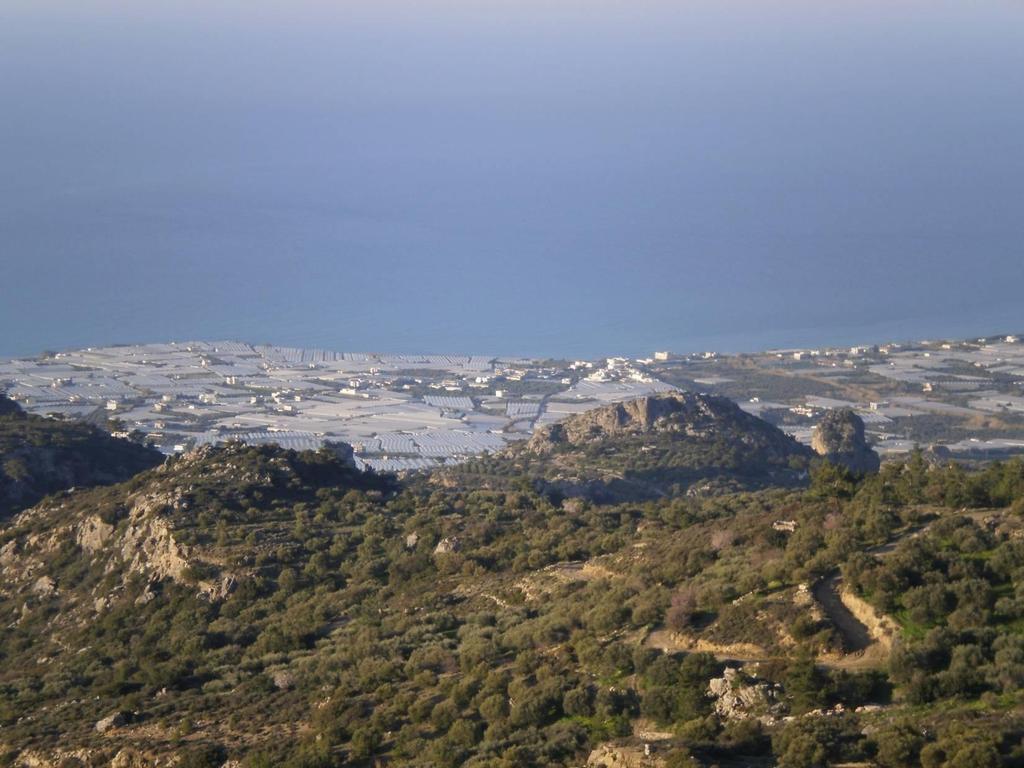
x,y
408,412
399,412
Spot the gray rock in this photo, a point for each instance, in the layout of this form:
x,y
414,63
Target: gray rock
x,y
147,596
44,586
738,697
343,451
283,680
8,552
447,545
839,437
218,590
115,720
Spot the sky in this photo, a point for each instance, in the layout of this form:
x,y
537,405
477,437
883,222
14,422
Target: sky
x,y
558,178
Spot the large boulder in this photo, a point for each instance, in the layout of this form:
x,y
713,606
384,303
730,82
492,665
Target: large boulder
x,y
738,696
112,721
839,437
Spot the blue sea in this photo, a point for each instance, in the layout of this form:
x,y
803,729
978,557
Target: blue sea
x,y
559,178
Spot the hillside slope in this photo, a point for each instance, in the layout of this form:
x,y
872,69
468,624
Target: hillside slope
x,y
276,608
652,447
39,456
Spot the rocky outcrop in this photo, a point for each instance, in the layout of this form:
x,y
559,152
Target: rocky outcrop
x,y
44,586
142,544
623,756
93,534
88,758
738,697
839,437
283,680
130,758
345,453
632,417
112,721
219,589
137,537
657,446
149,548
685,414
448,545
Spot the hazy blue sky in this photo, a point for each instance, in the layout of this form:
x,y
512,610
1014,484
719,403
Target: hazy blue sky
x,y
556,177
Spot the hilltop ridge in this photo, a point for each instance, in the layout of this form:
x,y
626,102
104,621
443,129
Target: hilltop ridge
x,y
652,447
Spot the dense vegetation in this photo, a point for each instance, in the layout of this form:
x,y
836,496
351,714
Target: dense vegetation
x,y
484,623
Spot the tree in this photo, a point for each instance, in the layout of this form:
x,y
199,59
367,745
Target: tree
x,y
679,616
812,742
899,746
804,683
832,481
578,702
365,742
205,756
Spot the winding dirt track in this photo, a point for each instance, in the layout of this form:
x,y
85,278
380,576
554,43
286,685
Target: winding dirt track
x,y
856,637
861,650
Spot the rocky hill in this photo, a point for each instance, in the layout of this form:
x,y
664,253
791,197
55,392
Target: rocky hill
x,y
39,456
184,523
85,570
654,447
252,607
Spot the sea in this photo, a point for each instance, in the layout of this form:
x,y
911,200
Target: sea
x,y
557,178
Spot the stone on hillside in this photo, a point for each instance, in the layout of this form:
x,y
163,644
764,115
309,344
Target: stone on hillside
x,y
738,697
44,586
283,680
343,451
220,589
447,546
130,758
115,720
839,437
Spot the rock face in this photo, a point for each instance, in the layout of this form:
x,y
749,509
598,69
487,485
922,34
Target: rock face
x,y
684,413
447,546
738,697
658,446
283,680
147,554
115,720
633,417
136,538
678,416
839,437
622,756
344,452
